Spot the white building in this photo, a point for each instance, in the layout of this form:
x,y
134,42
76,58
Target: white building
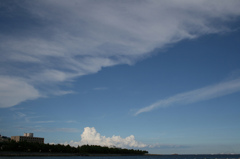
x,y
28,137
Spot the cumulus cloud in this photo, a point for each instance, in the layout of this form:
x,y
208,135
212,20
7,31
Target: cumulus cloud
x,y
57,41
91,137
205,93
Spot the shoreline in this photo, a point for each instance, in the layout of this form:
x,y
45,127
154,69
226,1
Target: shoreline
x,y
60,154
78,154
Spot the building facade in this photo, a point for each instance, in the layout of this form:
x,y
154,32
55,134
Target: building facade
x,y
28,137
4,138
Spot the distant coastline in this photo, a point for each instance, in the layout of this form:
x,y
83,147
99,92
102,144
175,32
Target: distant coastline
x,y
180,156
60,154
13,148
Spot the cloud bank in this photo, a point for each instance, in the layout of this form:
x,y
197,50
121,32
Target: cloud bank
x,y
201,94
91,137
50,42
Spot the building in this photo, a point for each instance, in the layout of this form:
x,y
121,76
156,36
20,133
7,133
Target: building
x,y
28,137
4,138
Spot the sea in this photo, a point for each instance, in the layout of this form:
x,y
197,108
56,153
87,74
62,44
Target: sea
x,y
129,157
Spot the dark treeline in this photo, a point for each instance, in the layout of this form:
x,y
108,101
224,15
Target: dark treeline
x,y
49,148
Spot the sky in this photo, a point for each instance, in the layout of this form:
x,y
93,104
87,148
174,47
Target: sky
x,y
162,76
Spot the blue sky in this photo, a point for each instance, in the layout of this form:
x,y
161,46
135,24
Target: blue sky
x,y
162,76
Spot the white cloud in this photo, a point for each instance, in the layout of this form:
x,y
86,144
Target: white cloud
x,y
91,137
71,121
166,146
38,128
60,92
20,115
201,94
14,91
42,122
100,88
62,40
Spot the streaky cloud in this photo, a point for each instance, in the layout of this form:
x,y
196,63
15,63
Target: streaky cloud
x,y
205,93
15,90
38,128
100,88
59,41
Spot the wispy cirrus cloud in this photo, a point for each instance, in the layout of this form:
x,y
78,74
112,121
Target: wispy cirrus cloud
x,y
44,122
71,121
50,129
58,41
14,90
20,115
167,146
205,93
100,88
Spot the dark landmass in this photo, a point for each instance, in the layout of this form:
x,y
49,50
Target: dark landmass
x,y
13,148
